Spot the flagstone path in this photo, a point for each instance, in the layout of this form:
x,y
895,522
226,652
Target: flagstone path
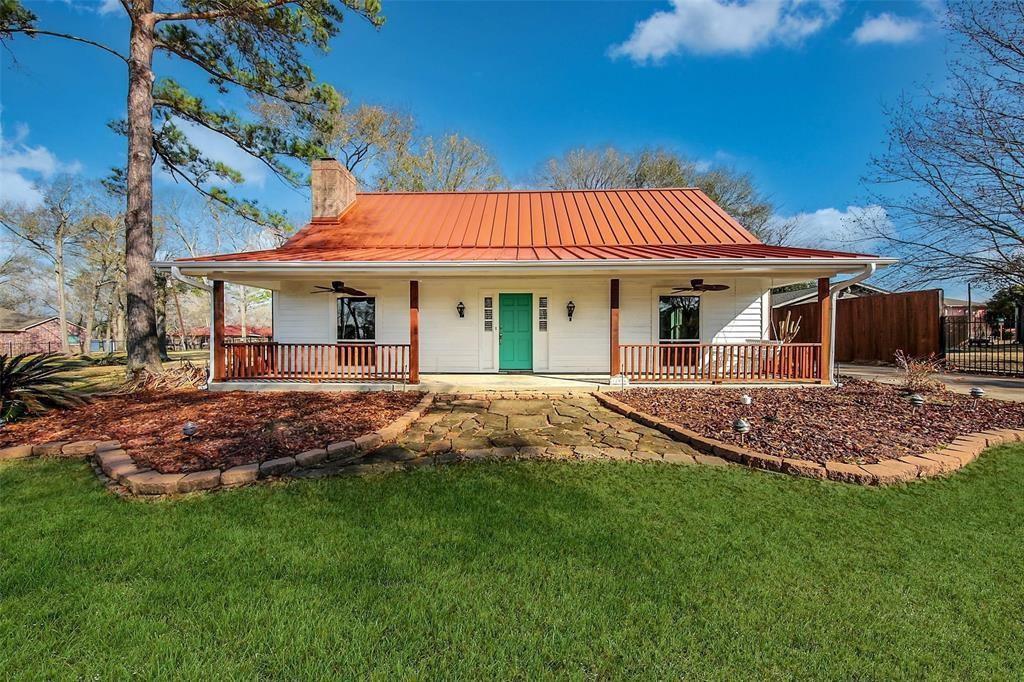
x,y
571,426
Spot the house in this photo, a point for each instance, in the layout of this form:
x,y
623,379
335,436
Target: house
x,y
199,337
33,334
956,307
643,285
790,297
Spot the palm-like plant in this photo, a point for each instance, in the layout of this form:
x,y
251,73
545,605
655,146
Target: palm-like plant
x,y
32,384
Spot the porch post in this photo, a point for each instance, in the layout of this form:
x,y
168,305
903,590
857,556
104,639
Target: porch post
x,y
616,368
217,331
414,332
825,324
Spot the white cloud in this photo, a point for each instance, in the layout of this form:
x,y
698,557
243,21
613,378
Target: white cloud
x,y
22,166
110,6
725,26
887,28
836,229
220,148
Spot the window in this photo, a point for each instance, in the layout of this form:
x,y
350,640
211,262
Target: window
x,y
357,318
679,319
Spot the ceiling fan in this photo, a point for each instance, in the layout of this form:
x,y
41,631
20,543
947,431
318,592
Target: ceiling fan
x,y
337,288
698,285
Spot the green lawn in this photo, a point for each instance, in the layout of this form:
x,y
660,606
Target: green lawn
x,y
517,570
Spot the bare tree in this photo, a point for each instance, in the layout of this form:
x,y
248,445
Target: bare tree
x,y
952,179
611,168
52,231
453,163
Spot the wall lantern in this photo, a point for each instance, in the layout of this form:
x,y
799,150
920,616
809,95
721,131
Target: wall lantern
x,y
570,308
461,307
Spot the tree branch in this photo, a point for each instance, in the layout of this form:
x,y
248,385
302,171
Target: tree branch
x,y
68,36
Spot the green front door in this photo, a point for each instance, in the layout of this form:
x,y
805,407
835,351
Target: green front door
x,y
515,331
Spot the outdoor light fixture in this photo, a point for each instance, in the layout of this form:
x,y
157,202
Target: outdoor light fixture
x,y
745,399
570,308
977,392
461,307
917,400
190,429
742,427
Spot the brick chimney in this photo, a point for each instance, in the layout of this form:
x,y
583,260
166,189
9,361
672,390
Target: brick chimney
x,y
334,189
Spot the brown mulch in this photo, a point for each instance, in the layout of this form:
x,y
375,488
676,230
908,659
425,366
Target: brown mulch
x,y
861,422
234,428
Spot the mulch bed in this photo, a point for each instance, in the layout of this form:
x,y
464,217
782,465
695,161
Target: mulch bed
x,y
234,428
861,422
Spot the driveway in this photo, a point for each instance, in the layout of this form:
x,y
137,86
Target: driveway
x,y
1001,388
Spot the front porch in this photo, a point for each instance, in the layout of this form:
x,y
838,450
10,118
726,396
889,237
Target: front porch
x,y
625,355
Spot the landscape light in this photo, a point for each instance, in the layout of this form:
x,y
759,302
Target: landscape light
x,y
742,427
917,400
977,392
190,429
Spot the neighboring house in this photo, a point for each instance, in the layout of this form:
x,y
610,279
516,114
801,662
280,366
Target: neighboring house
x,y
199,337
955,307
32,334
808,294
652,285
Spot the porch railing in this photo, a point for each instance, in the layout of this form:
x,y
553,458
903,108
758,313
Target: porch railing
x,y
316,362
721,363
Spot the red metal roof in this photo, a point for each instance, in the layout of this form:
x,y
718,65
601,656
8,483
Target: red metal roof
x,y
565,225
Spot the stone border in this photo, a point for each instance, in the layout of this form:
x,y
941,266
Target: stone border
x,y
114,464
944,460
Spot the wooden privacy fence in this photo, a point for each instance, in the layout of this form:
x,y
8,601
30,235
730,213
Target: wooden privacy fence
x,y
714,363
873,328
316,362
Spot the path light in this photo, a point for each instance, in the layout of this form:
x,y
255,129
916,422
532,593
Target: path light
x,y
570,308
977,392
745,399
917,400
742,427
461,307
190,429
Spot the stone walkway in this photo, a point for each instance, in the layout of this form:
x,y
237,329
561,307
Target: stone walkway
x,y
572,427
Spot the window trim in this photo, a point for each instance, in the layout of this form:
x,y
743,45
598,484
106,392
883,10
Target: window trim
x,y
337,321
656,331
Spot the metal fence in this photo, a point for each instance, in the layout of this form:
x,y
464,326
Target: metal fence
x,y
971,345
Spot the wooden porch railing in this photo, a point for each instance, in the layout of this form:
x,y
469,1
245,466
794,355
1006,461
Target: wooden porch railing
x,y
721,363
316,362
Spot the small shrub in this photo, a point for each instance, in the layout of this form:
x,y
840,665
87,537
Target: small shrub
x,y
33,384
918,374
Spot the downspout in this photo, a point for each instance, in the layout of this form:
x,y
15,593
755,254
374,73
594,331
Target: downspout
x,y
833,293
184,279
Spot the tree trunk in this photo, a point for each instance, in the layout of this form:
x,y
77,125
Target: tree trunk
x,y
161,316
243,300
143,345
90,318
181,318
62,306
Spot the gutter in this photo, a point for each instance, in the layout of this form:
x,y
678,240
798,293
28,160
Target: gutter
x,y
833,293
610,264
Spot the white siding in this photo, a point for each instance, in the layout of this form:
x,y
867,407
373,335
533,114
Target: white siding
x,y
452,344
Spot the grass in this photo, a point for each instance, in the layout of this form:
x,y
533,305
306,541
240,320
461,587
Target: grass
x,y
98,379
517,570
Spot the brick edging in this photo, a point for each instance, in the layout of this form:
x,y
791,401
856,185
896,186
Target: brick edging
x,y
944,460
119,467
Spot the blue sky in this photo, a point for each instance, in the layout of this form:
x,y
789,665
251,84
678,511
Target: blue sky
x,y
792,92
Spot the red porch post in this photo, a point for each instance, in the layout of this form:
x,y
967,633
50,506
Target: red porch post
x,y
825,323
414,332
217,333
616,368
